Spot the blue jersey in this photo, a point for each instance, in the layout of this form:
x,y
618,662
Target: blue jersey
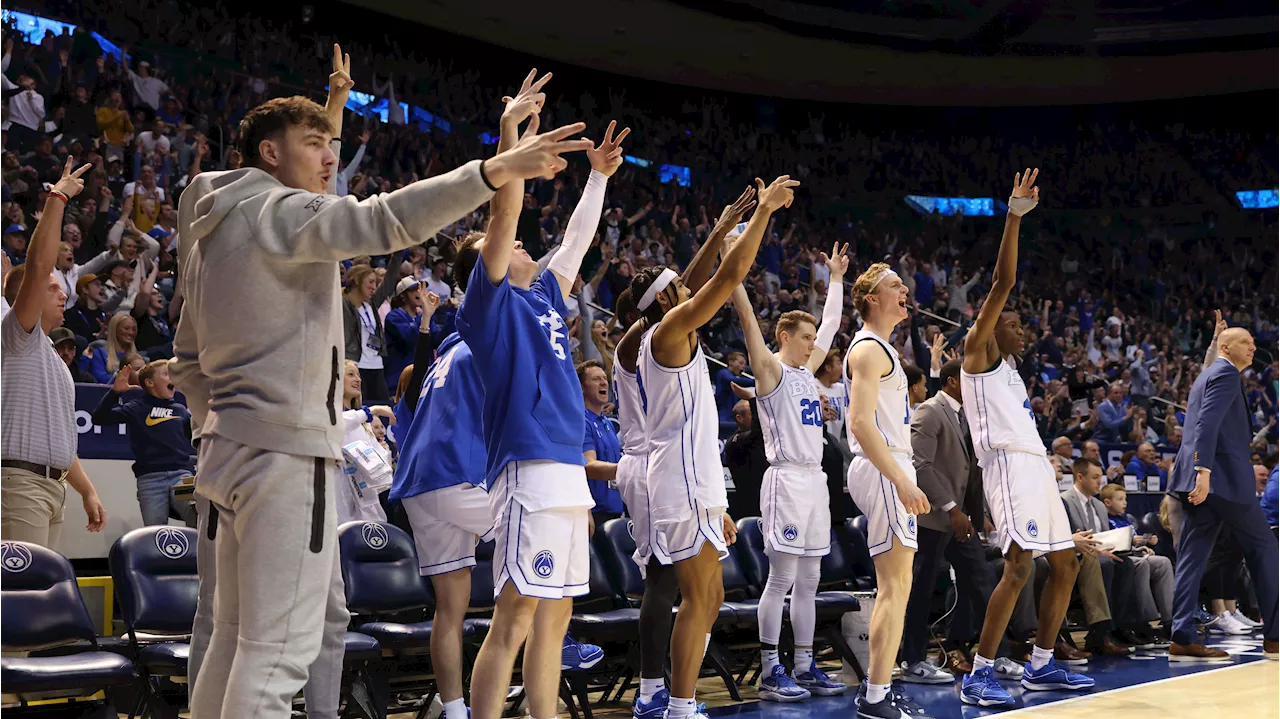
x,y
532,398
442,445
602,438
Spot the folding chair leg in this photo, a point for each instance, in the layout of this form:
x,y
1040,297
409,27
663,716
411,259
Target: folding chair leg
x,y
359,696
566,695
156,706
578,685
427,700
721,667
378,674
625,685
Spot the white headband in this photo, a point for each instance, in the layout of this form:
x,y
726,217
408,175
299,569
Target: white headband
x,y
880,279
658,285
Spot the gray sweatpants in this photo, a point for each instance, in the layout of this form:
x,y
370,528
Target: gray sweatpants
x,y
1157,603
271,618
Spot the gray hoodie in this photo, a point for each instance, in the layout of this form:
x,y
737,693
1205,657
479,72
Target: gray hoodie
x,y
259,349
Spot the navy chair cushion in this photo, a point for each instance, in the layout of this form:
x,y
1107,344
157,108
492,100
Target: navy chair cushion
x,y
88,670
41,601
156,582
601,626
736,586
864,570
167,659
600,596
380,569
616,547
361,647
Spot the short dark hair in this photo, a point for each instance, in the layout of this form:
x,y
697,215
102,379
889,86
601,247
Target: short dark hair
x,y
1081,465
588,364
949,370
625,309
640,285
465,262
272,118
914,374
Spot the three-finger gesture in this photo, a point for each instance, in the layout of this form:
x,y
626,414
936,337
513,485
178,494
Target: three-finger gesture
x,y
528,100
537,155
607,157
1026,195
70,183
838,262
778,194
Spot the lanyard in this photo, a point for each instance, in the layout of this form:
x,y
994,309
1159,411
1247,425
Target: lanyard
x,y
367,322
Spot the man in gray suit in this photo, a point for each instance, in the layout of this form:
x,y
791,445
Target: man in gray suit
x,y
948,475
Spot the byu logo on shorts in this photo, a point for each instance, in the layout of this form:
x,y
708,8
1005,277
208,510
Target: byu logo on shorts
x,y
911,523
172,543
790,532
544,563
1032,529
374,534
14,557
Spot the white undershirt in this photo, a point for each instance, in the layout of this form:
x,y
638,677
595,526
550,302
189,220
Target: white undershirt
x,y
369,357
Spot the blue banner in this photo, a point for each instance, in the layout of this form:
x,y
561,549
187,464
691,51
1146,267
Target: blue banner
x,y
102,442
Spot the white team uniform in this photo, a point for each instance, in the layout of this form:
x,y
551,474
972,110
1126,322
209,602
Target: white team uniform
x,y
685,479
874,494
446,523
634,465
1020,484
537,507
793,496
838,397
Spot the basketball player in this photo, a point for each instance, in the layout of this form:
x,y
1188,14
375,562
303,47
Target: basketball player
x,y
1020,484
795,504
660,586
268,235
686,490
512,318
882,479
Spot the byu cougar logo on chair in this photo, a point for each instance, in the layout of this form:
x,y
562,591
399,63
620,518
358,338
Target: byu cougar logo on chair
x,y
172,543
14,556
374,534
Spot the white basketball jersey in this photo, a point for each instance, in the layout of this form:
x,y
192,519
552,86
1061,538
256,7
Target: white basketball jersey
x,y
683,430
630,411
791,419
893,410
999,412
838,397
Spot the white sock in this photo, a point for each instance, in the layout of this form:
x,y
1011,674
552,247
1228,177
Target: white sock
x,y
649,687
1040,657
679,708
877,692
456,709
768,660
981,662
706,644
804,660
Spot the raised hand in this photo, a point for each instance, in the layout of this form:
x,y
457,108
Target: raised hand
x,y
731,215
70,183
778,194
123,381
607,158
431,303
1219,324
528,101
1026,195
838,262
340,82
535,155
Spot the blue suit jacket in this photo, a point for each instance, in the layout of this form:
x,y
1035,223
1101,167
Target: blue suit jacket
x,y
1216,436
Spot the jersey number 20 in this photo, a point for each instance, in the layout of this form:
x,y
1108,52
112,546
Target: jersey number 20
x,y
811,412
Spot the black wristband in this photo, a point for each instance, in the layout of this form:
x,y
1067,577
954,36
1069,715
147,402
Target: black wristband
x,y
485,177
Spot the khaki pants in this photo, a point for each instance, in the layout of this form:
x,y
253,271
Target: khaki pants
x,y
1092,590
31,507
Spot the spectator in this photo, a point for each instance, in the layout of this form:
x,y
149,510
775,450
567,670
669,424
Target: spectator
x,y
365,339
155,335
1139,430
146,87
15,244
1271,498
1159,568
344,175
26,116
436,282
81,121
159,435
1147,464
104,362
1061,456
64,341
154,139
745,459
731,373
600,446
411,306
86,318
1140,386
114,124
42,160
37,417
917,391
1113,417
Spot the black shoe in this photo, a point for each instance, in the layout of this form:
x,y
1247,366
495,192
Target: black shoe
x,y
1146,639
1126,637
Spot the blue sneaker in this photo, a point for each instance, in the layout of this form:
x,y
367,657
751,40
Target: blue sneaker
x,y
895,705
818,683
1052,676
656,708
980,688
778,687
576,656
1206,619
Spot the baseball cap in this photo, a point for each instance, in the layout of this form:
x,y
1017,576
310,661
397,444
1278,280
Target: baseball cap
x,y
159,232
405,284
85,280
15,229
60,335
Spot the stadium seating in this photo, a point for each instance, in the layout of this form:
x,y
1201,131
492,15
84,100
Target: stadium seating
x,y
40,608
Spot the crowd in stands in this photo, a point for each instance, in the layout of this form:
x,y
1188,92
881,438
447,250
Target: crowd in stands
x,y
1139,244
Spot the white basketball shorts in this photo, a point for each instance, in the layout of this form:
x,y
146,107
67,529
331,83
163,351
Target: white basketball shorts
x,y
876,496
796,509
544,553
447,523
1022,494
630,477
673,542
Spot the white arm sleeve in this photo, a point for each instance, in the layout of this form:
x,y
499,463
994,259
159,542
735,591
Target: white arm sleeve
x,y
831,310
581,229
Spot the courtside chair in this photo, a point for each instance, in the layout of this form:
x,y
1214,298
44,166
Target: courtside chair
x,y
41,608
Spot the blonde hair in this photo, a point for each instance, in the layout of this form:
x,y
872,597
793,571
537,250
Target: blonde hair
x,y
864,285
790,321
356,276
114,348
1110,491
357,401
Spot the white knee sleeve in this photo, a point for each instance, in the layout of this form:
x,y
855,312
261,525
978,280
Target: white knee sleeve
x,y
803,613
782,574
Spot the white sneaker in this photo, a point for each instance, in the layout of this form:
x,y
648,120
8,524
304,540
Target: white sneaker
x,y
1241,618
926,673
1006,668
1227,624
